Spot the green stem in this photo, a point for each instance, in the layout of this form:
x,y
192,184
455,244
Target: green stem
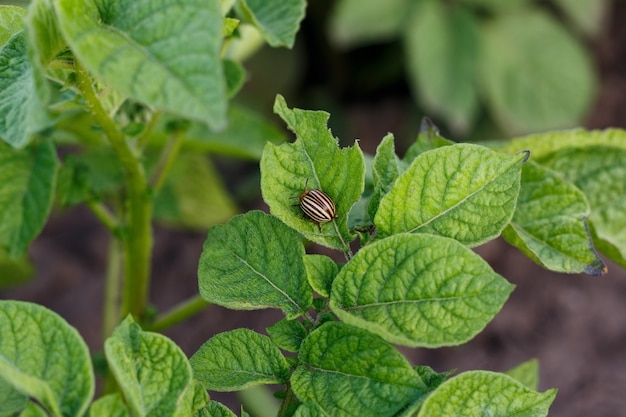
x,y
137,239
308,317
58,64
166,160
178,313
112,299
106,217
145,136
113,286
288,402
347,252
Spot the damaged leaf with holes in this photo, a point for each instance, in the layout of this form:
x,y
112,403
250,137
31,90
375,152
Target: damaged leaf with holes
x,y
315,161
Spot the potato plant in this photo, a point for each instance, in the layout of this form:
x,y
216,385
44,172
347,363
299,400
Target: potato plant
x,y
138,91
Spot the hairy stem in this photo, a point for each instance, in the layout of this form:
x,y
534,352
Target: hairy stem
x,y
137,236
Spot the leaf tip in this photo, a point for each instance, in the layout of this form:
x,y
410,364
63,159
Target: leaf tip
x,y
526,155
279,104
596,268
427,127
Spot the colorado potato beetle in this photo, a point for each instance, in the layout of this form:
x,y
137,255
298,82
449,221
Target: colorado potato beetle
x,y
318,206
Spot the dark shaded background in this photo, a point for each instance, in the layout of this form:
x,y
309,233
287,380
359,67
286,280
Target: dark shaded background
x,y
575,325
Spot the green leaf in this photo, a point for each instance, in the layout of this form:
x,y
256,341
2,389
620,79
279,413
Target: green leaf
x,y
44,38
359,219
549,224
27,183
586,15
351,372
73,185
248,41
33,410
11,401
246,135
497,5
524,82
309,410
14,272
200,396
385,170
431,378
193,195
482,393
321,271
43,357
230,24
418,290
152,372
277,20
214,409
167,56
599,171
235,76
21,111
237,359
77,127
360,22
287,334
543,145
254,261
527,373
45,42
11,21
546,147
110,405
442,46
314,160
94,173
428,139
463,191
320,304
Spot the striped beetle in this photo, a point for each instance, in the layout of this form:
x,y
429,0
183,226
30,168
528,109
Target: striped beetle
x,y
317,205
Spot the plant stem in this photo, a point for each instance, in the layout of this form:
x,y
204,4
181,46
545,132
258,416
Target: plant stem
x,y
178,313
166,160
347,252
112,300
145,136
288,402
106,217
113,286
137,239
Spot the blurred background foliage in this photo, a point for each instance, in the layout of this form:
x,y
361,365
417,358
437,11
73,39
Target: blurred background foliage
x,y
480,68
